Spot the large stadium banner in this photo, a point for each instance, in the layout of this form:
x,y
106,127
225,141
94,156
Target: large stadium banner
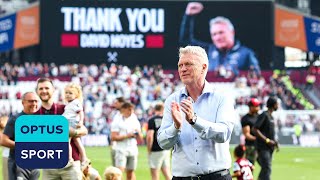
x,y
296,30
144,32
312,28
289,29
7,26
20,29
27,27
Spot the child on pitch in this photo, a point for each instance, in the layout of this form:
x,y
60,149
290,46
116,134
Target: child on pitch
x,y
242,167
112,173
73,111
89,173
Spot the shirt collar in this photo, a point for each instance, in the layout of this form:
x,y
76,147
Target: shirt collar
x,y
208,88
52,110
23,113
236,46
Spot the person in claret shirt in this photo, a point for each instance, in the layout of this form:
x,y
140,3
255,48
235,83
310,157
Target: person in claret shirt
x,y
242,167
72,171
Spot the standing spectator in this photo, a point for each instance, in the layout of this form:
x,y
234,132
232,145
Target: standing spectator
x,y
72,171
118,102
247,123
298,131
266,143
242,167
30,105
158,158
198,122
126,131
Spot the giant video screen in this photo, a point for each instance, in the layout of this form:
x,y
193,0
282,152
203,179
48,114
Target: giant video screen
x,y
150,32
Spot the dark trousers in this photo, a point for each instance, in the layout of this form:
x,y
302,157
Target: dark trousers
x,y
15,172
251,154
264,160
12,169
28,174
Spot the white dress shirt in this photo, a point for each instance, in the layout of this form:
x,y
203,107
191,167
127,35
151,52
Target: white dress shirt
x,y
204,147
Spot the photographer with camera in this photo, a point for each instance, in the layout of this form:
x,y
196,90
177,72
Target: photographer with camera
x,y
126,130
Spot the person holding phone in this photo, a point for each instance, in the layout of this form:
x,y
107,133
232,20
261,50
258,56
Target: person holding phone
x,y
126,130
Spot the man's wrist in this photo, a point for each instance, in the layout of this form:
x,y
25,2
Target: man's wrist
x,y
175,126
193,120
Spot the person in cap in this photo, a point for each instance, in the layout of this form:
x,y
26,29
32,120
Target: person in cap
x,y
247,122
266,142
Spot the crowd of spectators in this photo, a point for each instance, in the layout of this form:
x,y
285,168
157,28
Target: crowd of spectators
x,y
279,85
143,86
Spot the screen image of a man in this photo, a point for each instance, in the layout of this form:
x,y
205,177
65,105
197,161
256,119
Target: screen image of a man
x,y
225,52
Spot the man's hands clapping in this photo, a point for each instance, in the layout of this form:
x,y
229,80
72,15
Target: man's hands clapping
x,y
186,107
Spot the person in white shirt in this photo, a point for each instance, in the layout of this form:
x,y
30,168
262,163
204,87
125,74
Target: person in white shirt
x,y
126,130
197,122
117,103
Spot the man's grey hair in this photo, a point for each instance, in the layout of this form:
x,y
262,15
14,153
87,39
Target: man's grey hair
x,y
197,50
25,94
221,19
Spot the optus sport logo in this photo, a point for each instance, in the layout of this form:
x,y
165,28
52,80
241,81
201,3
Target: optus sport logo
x,y
41,142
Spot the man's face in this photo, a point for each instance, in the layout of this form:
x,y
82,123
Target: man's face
x,y
126,112
254,109
30,103
222,37
45,91
189,68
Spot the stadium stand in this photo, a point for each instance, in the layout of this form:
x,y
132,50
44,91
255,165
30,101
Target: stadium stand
x,y
143,86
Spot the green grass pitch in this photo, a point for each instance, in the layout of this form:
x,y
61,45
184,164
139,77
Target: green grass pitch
x,y
294,163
